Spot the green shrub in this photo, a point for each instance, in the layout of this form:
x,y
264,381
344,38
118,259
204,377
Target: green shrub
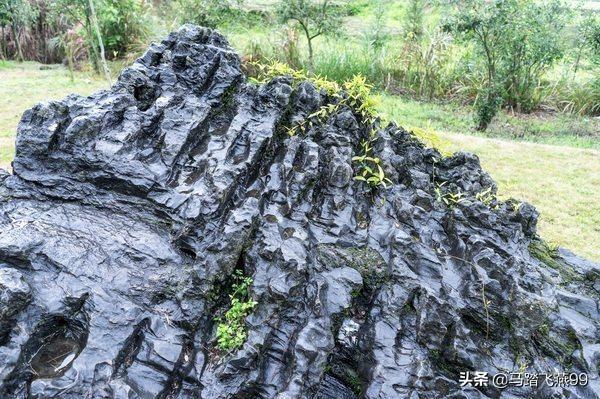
x,y
516,41
582,98
123,24
486,106
231,330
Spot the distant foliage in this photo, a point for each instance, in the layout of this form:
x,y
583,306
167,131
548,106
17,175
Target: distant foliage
x,y
209,13
16,15
491,54
313,18
517,41
378,34
414,21
589,37
122,23
78,13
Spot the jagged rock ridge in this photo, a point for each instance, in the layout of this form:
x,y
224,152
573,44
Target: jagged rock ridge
x,y
128,211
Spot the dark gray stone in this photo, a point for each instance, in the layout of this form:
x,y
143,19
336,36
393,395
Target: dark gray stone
x,y
129,210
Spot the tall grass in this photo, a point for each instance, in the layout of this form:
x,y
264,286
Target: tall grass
x,y
340,62
428,69
582,98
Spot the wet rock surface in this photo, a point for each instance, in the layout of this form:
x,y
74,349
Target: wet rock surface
x,y
129,210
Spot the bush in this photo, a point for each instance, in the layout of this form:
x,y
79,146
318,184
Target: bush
x,y
582,98
486,106
517,41
123,24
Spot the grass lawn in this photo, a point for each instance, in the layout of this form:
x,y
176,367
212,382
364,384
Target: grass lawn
x,y
547,128
562,181
23,85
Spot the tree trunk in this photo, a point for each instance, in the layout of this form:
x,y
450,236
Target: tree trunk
x,y
69,51
3,45
311,60
97,29
15,33
92,45
577,61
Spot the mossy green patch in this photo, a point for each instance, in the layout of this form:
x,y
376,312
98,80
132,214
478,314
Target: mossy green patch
x,y
549,256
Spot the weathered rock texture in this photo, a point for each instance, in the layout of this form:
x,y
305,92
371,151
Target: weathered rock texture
x,y
128,211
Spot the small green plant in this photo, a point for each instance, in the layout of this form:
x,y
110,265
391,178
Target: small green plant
x,y
516,205
486,196
450,199
370,168
430,138
231,332
354,381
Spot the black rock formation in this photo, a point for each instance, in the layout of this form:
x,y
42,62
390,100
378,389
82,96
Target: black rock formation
x,y
129,210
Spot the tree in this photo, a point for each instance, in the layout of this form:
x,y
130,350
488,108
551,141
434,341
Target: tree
x,y
67,43
516,42
94,20
414,19
377,34
4,21
533,43
123,24
209,13
313,18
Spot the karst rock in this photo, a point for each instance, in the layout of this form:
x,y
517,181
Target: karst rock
x,y
128,211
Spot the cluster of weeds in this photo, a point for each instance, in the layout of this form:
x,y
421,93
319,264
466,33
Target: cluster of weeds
x,y
548,254
562,346
231,331
451,199
270,70
448,198
354,93
486,196
430,138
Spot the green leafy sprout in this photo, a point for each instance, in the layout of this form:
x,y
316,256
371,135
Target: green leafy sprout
x,y
486,196
370,168
448,198
231,330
